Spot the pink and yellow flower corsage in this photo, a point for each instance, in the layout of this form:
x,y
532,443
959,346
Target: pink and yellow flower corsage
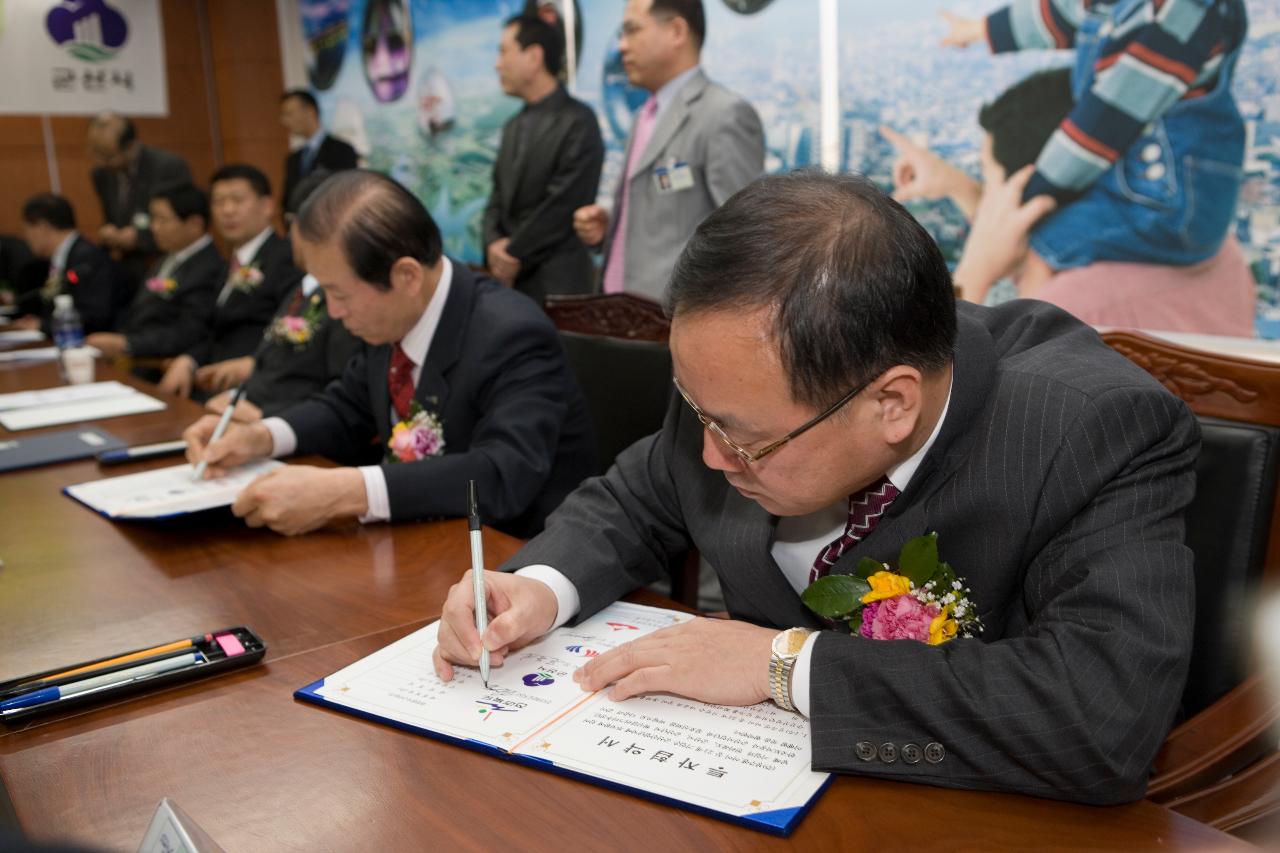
x,y
162,287
246,278
297,330
921,600
416,437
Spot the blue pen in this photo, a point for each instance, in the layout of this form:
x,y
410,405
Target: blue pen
x,y
142,451
101,682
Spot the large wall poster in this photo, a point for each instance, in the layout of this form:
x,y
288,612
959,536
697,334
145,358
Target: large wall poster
x,y
412,85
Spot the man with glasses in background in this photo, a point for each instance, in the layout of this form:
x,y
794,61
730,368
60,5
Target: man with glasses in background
x,y
838,403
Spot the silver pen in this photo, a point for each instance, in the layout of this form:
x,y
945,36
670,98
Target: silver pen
x,y
219,430
477,576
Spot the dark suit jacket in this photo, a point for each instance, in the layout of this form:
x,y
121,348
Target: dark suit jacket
x,y
98,287
155,169
285,373
1056,486
162,326
238,322
514,420
333,154
548,166
20,271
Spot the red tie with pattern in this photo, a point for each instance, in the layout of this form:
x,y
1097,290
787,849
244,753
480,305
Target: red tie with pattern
x,y
865,509
400,382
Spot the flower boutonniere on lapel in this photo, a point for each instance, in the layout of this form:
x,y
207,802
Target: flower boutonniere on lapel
x,y
162,287
922,599
298,330
246,278
416,437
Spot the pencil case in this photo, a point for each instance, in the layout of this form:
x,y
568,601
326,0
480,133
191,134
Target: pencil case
x,y
133,672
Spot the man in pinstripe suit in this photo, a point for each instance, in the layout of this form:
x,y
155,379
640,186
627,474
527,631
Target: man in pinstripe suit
x,y
1054,471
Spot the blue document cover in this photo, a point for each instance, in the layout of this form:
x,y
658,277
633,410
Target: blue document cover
x,y
749,766
61,446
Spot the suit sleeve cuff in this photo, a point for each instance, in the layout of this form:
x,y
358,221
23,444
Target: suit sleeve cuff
x,y
800,676
375,492
283,439
567,601
1000,38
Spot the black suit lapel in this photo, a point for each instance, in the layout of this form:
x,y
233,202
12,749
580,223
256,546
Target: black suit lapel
x,y
907,517
379,361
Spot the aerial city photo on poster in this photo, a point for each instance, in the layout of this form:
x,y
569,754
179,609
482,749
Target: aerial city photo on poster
x,y
412,86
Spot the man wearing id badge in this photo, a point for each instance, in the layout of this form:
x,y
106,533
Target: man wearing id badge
x,y
693,144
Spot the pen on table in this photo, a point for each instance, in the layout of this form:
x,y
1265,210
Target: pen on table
x,y
141,451
477,576
100,682
116,661
219,430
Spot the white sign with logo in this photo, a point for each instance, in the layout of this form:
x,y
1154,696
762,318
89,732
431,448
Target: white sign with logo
x,y
78,57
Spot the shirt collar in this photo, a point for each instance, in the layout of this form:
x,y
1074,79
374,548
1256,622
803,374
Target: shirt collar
x,y
59,259
309,284
179,258
667,94
246,253
900,475
313,141
418,341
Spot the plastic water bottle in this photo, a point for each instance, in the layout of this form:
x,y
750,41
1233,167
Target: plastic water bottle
x,y
68,332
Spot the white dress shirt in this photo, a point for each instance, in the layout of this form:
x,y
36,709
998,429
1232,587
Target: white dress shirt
x,y
796,544
59,260
415,344
176,259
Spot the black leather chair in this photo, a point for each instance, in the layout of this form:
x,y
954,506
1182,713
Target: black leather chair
x,y
617,347
1219,763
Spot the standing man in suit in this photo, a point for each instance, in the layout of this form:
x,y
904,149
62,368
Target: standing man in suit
x,y
300,115
694,144
460,380
260,274
836,405
126,176
548,166
76,266
175,305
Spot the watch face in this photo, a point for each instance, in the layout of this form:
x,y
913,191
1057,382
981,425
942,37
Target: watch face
x,y
789,642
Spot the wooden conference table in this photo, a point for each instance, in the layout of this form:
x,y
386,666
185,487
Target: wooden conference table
x,y
260,771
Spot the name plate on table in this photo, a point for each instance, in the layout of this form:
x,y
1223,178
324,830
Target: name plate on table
x,y
173,831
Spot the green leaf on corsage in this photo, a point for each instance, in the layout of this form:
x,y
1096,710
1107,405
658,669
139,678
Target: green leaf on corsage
x,y
835,596
919,559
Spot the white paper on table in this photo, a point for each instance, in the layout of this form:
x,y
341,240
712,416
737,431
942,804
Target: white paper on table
x,y
166,491
63,394
82,410
21,336
39,354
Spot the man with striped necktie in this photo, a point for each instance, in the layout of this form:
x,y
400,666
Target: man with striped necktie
x,y
834,403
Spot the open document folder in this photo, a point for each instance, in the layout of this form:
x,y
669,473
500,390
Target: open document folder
x,y
747,765
166,492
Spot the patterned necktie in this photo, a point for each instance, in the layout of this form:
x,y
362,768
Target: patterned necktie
x,y
613,274
865,509
400,382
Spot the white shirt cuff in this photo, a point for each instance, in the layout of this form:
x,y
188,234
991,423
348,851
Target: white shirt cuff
x,y
567,601
283,439
375,493
800,676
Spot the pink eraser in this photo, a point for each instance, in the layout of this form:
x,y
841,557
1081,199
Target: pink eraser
x,y
230,644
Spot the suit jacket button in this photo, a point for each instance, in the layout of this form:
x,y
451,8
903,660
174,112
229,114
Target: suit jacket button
x,y
911,753
865,750
934,753
888,753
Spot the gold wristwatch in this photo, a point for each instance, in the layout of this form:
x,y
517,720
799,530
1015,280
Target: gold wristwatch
x,y
786,648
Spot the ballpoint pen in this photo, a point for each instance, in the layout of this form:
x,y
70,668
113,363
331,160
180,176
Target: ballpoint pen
x,y
99,682
219,430
477,576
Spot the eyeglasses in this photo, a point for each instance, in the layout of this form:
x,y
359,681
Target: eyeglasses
x,y
749,456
